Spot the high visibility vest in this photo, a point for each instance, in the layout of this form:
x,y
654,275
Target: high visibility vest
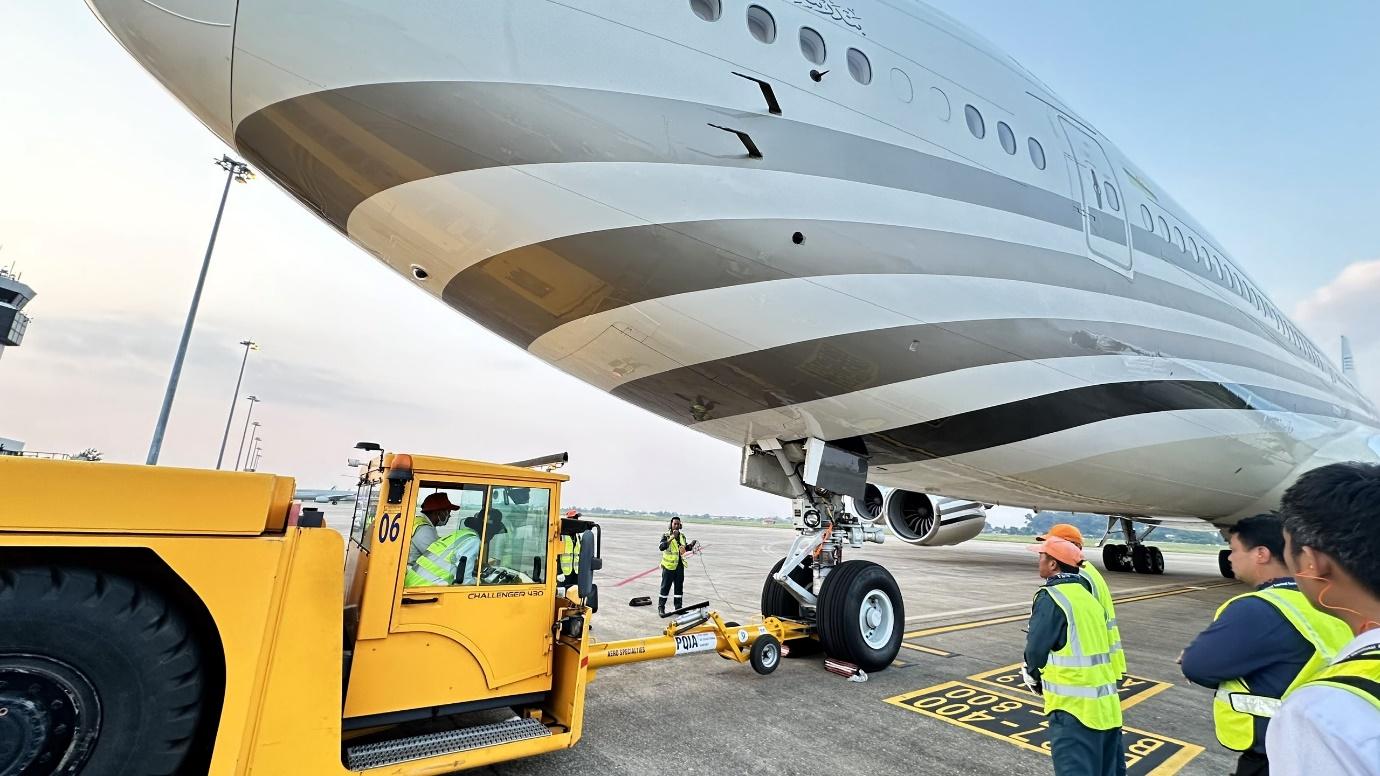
x,y
570,556
436,566
1235,707
1358,675
1103,594
670,559
1079,677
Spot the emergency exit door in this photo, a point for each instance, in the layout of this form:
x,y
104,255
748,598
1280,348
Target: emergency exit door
x,y
1104,222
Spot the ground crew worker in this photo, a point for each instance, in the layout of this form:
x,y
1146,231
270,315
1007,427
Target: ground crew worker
x,y
1100,591
569,563
449,560
673,548
1331,723
435,512
1260,643
1068,660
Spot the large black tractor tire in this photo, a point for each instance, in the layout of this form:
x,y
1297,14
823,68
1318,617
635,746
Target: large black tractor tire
x,y
852,590
1224,564
777,602
99,675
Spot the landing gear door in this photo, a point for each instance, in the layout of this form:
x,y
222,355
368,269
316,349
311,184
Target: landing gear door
x,y
1104,222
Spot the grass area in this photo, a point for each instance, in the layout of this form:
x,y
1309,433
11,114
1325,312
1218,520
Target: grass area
x,y
1191,549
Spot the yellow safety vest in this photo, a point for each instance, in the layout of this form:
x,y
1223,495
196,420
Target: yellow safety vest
x,y
1235,707
1358,675
1103,594
670,559
436,566
1079,677
570,556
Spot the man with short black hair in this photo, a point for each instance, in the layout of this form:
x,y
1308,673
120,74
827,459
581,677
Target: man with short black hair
x,y
1331,723
1260,644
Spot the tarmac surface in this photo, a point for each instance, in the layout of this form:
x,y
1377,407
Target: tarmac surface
x,y
942,709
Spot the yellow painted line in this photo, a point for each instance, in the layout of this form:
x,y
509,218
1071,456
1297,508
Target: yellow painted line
x,y
1022,617
1143,695
927,650
1181,758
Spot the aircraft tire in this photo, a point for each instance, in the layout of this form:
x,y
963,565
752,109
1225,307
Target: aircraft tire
x,y
1140,559
1114,557
776,602
1156,561
861,615
98,672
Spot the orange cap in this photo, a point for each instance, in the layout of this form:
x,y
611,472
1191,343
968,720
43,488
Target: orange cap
x,y
1062,550
1066,532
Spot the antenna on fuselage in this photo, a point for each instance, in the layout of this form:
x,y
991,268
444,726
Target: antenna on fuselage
x,y
1348,360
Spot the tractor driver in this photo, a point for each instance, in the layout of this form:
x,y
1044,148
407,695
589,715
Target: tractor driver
x,y
445,561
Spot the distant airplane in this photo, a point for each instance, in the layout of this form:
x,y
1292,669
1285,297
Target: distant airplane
x,y
332,496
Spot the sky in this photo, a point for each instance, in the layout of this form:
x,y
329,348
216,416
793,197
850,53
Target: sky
x,y
1262,123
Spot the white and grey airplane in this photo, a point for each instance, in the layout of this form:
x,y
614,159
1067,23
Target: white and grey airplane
x,y
848,221
329,496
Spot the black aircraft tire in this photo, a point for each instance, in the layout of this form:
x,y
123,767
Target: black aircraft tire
x,y
1112,557
776,602
1224,564
841,601
1140,559
1156,561
112,662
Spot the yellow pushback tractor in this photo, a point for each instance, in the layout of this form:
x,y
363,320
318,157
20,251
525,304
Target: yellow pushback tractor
x,y
162,621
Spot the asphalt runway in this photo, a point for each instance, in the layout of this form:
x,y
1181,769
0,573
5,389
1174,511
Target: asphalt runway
x,y
948,706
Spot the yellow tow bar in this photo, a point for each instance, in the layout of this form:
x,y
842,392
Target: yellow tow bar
x,y
697,629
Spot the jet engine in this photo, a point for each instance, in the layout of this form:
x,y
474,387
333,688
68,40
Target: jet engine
x,y
932,521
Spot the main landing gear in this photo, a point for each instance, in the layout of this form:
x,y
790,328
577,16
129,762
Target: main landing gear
x,y
1135,555
855,606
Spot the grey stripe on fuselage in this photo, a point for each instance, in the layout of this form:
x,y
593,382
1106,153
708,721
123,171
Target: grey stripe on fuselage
x,y
835,366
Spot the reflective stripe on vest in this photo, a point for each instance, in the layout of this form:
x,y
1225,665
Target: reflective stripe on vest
x,y
1234,706
1358,675
437,566
670,559
1103,594
1079,677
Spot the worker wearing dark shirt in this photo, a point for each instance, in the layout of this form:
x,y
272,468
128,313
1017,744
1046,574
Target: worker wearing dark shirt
x,y
1253,645
1074,674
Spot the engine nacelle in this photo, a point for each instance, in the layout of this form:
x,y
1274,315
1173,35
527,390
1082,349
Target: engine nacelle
x,y
932,521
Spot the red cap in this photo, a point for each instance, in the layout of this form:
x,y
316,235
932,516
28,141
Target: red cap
x,y
437,502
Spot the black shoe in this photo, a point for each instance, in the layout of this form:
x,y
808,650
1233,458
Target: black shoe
x,y
661,612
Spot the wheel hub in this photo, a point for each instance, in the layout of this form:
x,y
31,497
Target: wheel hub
x,y
49,716
876,618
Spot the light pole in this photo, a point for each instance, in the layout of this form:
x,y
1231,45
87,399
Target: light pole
x,y
234,171
243,434
258,453
225,438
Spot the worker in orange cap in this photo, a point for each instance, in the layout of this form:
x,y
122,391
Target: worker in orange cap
x,y
1068,660
1100,591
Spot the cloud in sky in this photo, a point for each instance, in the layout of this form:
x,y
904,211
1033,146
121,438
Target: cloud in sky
x,y
1348,305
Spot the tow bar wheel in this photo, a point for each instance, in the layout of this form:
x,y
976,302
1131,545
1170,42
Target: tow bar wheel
x,y
860,615
765,655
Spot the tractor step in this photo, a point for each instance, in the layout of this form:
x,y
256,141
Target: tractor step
x,y
365,756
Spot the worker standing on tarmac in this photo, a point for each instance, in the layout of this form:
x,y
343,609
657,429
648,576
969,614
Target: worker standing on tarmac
x,y
1330,724
1068,660
1260,644
673,548
569,562
1100,591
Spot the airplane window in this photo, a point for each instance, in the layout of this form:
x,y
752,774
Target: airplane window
x,y
812,45
1007,138
940,101
900,84
709,10
1203,254
1145,214
1193,248
1218,261
1179,239
1113,198
761,24
1037,153
859,67
975,123
1164,227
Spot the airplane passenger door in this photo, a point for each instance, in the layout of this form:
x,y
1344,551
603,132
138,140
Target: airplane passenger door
x,y
1104,216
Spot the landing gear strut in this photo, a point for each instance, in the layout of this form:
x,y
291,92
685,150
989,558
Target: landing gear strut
x,y
855,606
1135,555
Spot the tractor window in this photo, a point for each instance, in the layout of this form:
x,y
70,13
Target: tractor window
x,y
444,535
516,536
366,506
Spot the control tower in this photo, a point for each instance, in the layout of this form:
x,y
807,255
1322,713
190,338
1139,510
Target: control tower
x,y
13,296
